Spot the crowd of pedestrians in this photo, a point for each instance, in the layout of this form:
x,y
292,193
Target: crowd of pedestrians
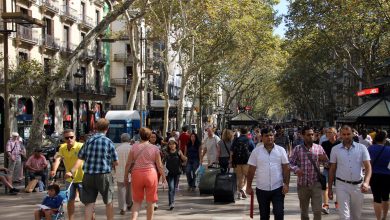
x,y
351,164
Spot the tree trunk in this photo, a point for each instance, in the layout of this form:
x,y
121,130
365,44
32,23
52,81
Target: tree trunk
x,y
135,48
40,108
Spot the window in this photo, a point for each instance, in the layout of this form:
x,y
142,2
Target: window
x,y
97,17
66,37
23,56
82,11
97,81
49,27
83,71
128,49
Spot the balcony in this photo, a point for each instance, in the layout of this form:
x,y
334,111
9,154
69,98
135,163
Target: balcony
x,y
126,58
25,35
50,43
49,7
100,59
66,87
68,14
85,23
67,48
109,91
120,82
87,56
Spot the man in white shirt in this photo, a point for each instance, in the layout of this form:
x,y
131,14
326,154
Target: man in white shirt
x,y
346,162
210,147
124,190
269,160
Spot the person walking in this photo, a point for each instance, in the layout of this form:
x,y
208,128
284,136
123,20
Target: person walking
x,y
174,157
223,153
194,155
143,162
240,151
380,179
99,156
210,147
331,134
269,160
346,161
14,150
301,162
68,154
124,190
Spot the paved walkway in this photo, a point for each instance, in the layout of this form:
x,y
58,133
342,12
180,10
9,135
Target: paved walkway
x,y
189,205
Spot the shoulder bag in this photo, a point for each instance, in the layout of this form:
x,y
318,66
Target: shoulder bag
x,y
321,177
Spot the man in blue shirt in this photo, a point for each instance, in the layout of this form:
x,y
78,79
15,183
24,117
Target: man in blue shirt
x,y
99,156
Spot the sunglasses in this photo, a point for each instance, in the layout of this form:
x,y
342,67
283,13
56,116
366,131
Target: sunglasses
x,y
68,138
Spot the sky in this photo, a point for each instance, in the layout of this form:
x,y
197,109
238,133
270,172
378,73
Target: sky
x,y
282,9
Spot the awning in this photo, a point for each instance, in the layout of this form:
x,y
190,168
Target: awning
x,y
376,111
243,119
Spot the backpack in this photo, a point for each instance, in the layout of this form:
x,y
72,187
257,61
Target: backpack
x,y
240,152
173,163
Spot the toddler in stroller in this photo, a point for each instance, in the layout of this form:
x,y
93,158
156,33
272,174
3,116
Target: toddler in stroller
x,y
52,204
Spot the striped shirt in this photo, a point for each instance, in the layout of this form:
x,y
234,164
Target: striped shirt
x,y
300,161
98,154
146,158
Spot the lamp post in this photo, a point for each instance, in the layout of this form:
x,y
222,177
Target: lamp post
x,y
78,75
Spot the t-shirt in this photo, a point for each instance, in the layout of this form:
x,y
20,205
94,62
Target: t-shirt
x,y
327,146
123,153
183,139
225,149
69,157
382,164
53,202
210,143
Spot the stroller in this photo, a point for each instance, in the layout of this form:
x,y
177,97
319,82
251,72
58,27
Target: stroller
x,y
60,215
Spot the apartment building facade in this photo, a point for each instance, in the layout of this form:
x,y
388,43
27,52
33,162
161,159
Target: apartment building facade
x,y
66,24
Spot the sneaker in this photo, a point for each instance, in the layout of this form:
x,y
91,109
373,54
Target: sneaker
x,y
13,191
243,194
155,207
325,209
122,212
239,196
171,206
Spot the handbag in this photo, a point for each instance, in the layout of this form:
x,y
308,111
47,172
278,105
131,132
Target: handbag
x,y
135,159
321,177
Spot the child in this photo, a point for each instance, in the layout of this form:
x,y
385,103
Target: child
x,y
50,203
173,158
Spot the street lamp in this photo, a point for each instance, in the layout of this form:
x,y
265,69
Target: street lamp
x,y
78,75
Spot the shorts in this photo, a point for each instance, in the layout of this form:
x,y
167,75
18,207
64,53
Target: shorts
x,y
144,182
97,183
380,187
325,172
72,190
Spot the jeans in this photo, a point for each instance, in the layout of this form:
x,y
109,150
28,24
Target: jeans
x,y
264,198
172,183
192,165
42,174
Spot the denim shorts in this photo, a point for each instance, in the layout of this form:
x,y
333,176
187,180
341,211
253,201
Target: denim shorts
x,y
72,190
326,174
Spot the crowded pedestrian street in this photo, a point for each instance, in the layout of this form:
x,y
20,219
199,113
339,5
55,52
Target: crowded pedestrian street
x,y
189,206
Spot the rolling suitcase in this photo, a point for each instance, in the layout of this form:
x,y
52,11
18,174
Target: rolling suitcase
x,y
225,187
206,184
